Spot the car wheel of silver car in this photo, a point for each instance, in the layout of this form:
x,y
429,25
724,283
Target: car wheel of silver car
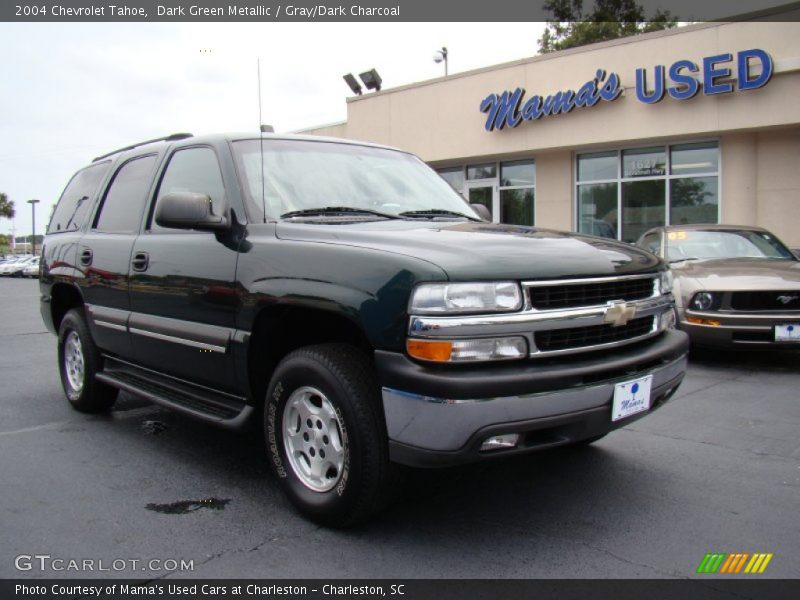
x,y
325,434
78,361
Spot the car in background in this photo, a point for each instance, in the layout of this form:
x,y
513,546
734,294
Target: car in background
x,y
14,268
734,286
31,269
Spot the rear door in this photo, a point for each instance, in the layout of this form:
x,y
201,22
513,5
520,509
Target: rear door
x,y
104,253
183,296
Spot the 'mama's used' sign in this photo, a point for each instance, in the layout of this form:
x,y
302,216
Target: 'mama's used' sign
x,y
681,81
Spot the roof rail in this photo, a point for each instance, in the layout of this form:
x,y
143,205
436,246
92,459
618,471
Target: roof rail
x,y
170,138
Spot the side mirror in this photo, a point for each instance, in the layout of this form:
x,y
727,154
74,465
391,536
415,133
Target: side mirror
x,y
189,210
482,211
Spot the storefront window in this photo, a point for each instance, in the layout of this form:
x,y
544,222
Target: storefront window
x,y
693,200
689,159
517,173
648,187
597,209
454,176
597,166
516,206
482,195
642,207
644,162
517,181
485,171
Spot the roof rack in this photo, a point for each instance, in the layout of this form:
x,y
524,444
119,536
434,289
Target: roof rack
x,y
170,138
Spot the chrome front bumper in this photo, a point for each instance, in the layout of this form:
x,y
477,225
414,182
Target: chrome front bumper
x,y
428,431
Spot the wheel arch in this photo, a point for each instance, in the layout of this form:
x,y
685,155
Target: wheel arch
x,y
279,330
63,298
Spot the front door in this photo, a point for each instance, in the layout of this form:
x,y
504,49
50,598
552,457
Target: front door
x,y
486,194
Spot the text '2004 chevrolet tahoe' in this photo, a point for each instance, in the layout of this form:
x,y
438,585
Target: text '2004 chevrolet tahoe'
x,y
345,296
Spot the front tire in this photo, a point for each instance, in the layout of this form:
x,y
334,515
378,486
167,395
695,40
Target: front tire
x,y
326,436
79,361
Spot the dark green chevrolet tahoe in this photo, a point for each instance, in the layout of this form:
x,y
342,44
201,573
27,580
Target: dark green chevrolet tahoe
x,y
346,299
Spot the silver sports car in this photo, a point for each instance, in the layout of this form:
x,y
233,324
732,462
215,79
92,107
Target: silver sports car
x,y
734,286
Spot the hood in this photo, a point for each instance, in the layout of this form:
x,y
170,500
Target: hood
x,y
483,251
736,274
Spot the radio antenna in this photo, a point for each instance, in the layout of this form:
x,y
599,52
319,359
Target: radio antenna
x,y
261,142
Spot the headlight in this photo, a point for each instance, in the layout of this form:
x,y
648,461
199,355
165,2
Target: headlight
x,y
705,301
665,282
442,298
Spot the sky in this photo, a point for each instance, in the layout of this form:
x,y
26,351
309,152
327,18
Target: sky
x,y
73,91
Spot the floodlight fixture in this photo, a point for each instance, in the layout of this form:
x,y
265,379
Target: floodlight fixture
x,y
354,85
371,79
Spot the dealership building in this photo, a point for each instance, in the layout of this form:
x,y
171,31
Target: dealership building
x,y
698,124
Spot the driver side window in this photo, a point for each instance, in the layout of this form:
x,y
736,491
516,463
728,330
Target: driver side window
x,y
191,170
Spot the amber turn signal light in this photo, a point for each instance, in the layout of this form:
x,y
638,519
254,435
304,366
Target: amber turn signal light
x,y
699,321
430,350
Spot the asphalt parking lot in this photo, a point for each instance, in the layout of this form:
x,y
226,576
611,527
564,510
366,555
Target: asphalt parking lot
x,y
715,470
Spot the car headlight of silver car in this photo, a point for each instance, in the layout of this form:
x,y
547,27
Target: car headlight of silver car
x,y
705,301
665,282
459,298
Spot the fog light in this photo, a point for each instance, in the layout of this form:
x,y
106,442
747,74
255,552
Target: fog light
x,y
499,442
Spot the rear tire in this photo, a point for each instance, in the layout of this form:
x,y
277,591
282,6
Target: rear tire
x,y
326,437
79,361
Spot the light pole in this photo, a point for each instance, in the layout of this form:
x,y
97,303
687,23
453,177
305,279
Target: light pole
x,y
441,56
33,204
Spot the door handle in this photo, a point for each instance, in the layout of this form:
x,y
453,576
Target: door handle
x,y
140,262
86,257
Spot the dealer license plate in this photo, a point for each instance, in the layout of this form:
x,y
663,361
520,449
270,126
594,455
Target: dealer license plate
x,y
631,397
787,333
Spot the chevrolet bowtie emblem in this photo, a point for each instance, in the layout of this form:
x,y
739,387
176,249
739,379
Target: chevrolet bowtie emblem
x,y
619,313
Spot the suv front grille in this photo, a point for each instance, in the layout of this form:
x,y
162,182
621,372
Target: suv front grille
x,y
778,301
593,335
573,295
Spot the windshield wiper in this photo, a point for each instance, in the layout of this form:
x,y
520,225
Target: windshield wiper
x,y
435,212
333,210
674,260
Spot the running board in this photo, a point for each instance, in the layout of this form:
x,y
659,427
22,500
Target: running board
x,y
230,412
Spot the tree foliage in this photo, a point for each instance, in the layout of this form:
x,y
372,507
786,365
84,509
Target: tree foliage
x,y
6,207
610,19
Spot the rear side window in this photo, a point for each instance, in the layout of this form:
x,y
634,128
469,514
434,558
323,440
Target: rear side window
x,y
121,211
75,202
192,170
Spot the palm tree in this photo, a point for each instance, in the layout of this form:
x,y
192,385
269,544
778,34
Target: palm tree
x,y
6,206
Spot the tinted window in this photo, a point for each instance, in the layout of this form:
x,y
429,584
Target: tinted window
x,y
122,207
193,170
75,202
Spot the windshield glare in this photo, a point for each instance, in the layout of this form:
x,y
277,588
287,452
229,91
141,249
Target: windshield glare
x,y
724,244
301,175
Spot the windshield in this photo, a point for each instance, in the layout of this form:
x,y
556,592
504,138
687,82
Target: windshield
x,y
684,245
305,175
